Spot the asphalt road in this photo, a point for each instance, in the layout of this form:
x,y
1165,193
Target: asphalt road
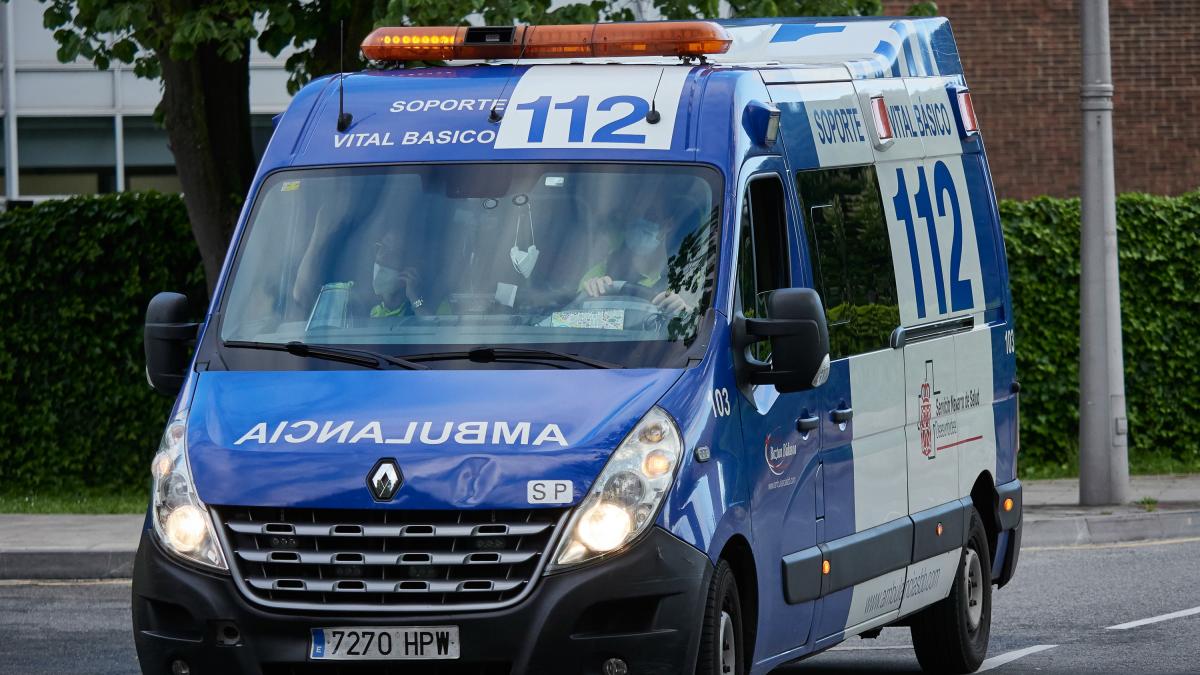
x,y
1055,617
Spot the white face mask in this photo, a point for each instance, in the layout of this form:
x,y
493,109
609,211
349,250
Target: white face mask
x,y
523,261
386,281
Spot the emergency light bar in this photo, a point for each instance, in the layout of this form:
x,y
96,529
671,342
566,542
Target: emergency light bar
x,y
444,43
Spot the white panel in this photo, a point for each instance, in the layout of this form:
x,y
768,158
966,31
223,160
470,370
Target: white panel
x,y
601,85
138,95
976,419
45,92
839,131
268,90
33,42
877,388
932,428
929,580
803,74
906,142
876,597
931,116
928,211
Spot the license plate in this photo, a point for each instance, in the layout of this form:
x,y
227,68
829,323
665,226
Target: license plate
x,y
385,643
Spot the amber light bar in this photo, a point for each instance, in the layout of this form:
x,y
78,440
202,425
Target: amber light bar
x,y
444,43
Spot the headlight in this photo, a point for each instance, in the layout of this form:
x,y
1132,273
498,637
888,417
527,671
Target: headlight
x,y
181,520
627,494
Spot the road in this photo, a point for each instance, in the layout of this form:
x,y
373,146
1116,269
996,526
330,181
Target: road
x,y
1055,617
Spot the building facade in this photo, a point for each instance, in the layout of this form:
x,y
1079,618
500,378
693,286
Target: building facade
x,y
1023,63
73,129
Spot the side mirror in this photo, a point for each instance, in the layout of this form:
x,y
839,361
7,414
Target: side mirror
x,y
166,339
799,336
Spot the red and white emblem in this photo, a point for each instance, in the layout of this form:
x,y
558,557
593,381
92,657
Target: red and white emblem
x,y
926,414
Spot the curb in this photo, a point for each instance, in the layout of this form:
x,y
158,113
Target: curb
x,y
60,564
1082,530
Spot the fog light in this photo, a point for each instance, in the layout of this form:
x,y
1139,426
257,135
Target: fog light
x,y
180,667
186,530
615,666
604,527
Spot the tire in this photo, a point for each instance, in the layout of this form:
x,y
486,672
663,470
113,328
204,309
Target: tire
x,y
951,636
721,651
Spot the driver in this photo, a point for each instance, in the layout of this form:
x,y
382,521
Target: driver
x,y
641,259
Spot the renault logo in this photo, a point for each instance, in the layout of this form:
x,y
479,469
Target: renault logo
x,y
384,480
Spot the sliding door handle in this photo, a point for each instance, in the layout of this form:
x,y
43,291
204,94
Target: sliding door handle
x,y
807,424
841,415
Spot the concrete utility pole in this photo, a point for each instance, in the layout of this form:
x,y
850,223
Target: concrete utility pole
x,y
1103,430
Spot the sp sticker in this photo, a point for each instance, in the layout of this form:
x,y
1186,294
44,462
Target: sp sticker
x,y
549,491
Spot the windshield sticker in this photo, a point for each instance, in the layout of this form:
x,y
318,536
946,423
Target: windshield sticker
x,y
290,186
604,319
423,433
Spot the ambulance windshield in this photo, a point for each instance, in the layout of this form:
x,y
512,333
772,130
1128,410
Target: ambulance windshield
x,y
609,261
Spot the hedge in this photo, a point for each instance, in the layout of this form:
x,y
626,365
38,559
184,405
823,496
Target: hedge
x,y
75,410
1159,243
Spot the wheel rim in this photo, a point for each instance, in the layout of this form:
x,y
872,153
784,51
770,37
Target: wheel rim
x,y
728,644
973,585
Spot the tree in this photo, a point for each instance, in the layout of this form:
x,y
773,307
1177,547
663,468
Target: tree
x,y
201,48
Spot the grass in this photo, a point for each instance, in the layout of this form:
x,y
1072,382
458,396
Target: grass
x,y
91,500
1140,464
1148,503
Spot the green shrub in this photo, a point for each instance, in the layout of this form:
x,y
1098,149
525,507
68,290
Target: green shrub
x,y
1159,240
75,410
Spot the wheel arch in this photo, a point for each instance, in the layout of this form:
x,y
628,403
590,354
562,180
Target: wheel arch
x,y
985,499
737,552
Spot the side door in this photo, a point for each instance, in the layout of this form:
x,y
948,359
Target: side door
x,y
867,533
780,439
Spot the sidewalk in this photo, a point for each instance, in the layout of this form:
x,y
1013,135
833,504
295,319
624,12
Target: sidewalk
x,y
1053,516
100,547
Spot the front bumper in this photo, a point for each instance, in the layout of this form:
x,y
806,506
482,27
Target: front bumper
x,y
643,606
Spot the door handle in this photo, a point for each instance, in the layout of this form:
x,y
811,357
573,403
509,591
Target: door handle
x,y
841,415
807,424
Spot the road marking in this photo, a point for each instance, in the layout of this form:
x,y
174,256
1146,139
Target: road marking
x,y
1155,619
1124,544
1009,657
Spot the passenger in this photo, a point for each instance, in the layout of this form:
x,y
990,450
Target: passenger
x,y
397,285
641,259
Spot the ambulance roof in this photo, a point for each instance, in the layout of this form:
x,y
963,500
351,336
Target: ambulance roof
x,y
441,114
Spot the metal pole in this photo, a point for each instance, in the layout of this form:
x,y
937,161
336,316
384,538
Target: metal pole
x,y
1103,432
12,186
118,129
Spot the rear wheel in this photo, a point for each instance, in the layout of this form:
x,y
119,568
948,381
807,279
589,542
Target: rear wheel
x,y
951,636
721,634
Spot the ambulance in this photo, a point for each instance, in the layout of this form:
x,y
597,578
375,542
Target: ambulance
x,y
622,348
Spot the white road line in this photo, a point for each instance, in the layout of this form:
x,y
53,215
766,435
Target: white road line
x,y
1009,657
1127,544
1155,619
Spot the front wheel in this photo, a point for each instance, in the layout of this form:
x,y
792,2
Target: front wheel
x,y
951,636
721,634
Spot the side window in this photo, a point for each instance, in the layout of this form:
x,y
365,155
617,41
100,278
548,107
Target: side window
x,y
851,257
762,250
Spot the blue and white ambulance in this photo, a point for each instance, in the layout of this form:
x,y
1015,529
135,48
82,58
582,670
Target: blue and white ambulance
x,y
621,348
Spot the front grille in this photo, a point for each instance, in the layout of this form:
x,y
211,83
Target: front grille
x,y
386,560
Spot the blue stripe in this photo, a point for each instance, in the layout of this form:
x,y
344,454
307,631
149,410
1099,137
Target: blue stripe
x,y
792,32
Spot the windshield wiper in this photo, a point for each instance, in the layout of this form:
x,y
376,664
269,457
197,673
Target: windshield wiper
x,y
493,354
359,357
